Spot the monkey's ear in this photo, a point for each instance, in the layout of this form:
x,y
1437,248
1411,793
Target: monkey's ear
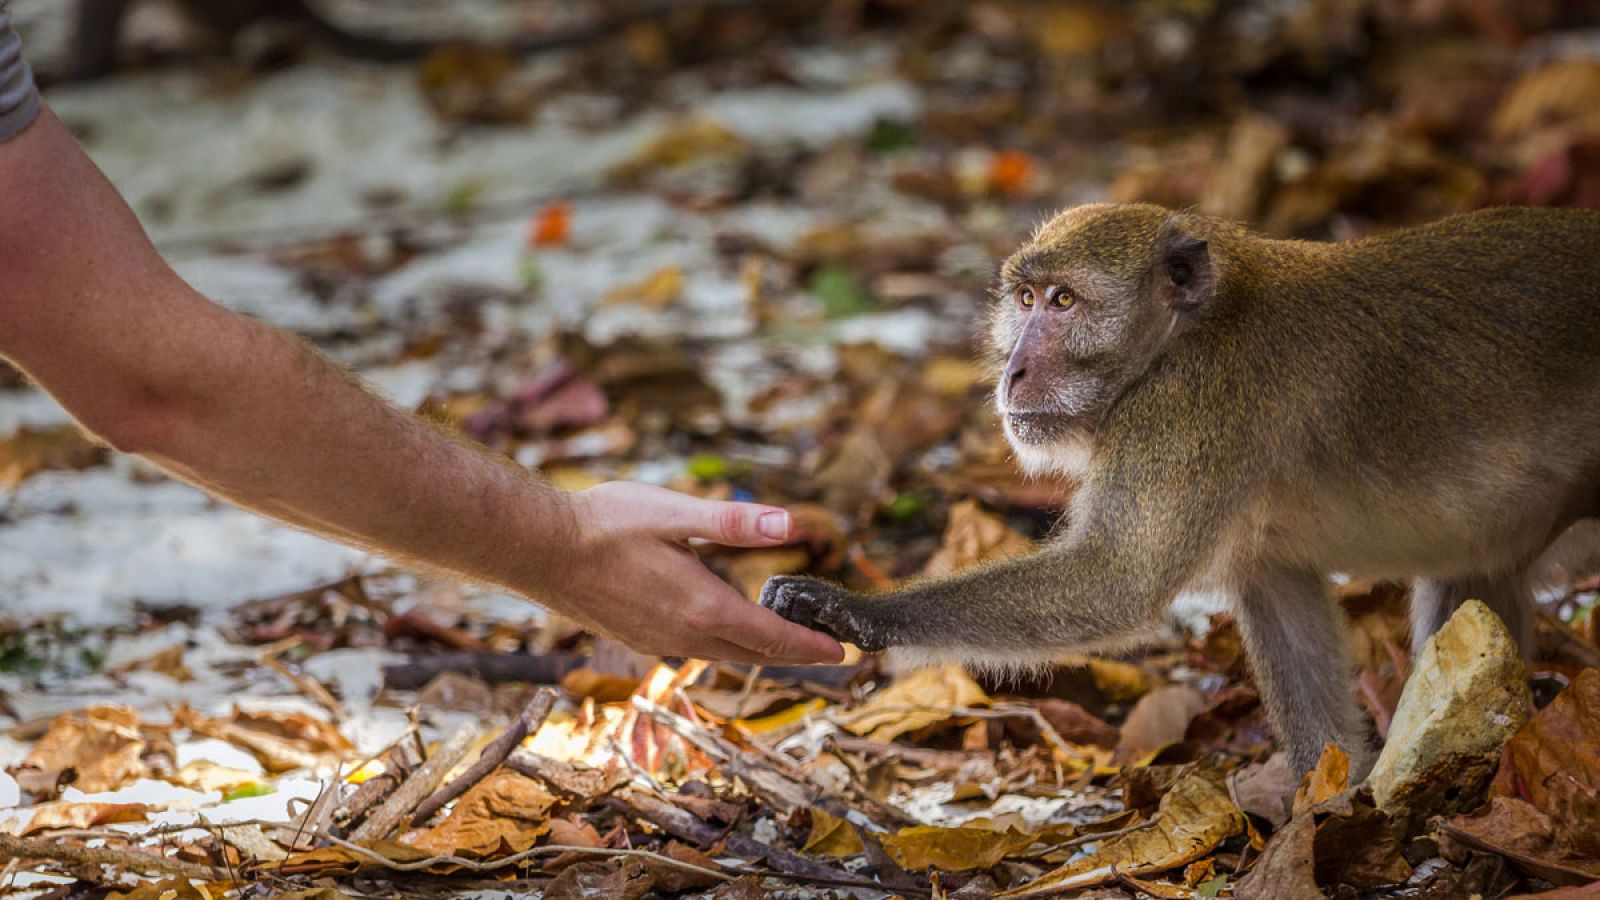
x,y
1184,277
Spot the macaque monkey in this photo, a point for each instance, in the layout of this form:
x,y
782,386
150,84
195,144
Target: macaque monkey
x,y
1249,415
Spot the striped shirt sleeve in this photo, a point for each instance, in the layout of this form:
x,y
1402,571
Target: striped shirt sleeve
x,y
19,102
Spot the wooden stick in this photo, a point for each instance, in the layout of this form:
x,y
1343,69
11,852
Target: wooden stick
x,y
424,781
771,785
681,823
307,685
493,668
528,722
79,855
476,865
398,762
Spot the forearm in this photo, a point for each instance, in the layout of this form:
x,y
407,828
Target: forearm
x,y
89,309
258,418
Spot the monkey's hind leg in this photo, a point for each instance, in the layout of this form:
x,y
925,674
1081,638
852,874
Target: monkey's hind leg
x,y
1433,600
1294,631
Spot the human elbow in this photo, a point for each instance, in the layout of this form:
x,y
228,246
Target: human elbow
x,y
142,425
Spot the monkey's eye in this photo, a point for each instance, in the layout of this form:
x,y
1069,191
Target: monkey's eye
x,y
1061,297
1025,297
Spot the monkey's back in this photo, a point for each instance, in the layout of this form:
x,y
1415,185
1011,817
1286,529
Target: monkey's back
x,y
1469,347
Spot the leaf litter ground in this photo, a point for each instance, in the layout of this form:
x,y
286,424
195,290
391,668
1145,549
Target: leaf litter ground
x,y
763,280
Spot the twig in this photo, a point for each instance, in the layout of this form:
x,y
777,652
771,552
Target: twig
x,y
305,684
398,763
683,825
547,850
749,688
774,787
492,668
999,711
424,781
564,777
1093,838
1549,871
318,816
495,753
133,860
919,756
858,784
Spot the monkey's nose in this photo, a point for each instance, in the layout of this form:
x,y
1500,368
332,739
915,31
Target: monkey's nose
x,y
1014,376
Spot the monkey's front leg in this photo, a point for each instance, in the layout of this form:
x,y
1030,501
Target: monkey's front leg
x,y
1053,600
1294,631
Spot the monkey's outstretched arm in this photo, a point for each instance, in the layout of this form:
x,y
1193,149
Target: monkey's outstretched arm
x,y
1134,543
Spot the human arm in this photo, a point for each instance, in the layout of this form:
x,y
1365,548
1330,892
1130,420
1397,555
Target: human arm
x,y
90,311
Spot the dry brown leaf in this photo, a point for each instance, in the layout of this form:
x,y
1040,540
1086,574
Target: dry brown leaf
x,y
574,832
1523,834
101,746
952,849
1342,840
1553,763
585,683
205,775
281,741
617,879
184,889
506,812
1559,94
1330,777
50,816
831,836
953,376
1159,718
916,700
974,536
687,141
1076,724
658,290
168,662
1265,789
1117,681
1194,816
671,880
29,451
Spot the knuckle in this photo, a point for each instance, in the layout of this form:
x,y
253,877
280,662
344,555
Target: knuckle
x,y
728,522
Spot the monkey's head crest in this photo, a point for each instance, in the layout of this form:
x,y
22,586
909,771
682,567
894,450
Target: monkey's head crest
x,y
1082,311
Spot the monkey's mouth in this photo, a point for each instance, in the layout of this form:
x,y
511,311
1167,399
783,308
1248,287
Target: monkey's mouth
x,y
1037,427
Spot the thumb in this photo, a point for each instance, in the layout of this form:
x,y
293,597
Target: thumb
x,y
735,524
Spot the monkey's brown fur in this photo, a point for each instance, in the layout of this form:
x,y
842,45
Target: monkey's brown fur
x,y
1251,415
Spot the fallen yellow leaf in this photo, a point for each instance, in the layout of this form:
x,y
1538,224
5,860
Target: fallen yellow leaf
x,y
953,849
1195,815
831,836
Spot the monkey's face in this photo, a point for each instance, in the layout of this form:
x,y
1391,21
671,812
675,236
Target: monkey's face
x,y
1081,311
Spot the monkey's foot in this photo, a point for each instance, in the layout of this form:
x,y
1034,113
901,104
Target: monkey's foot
x,y
822,607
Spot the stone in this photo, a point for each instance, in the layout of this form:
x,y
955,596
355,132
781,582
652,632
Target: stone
x,y
1467,695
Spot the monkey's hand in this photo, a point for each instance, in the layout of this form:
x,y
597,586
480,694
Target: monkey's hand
x,y
824,607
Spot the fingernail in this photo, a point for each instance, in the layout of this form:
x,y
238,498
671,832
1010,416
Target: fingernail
x,y
774,525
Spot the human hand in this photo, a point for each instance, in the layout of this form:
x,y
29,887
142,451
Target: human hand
x,y
632,576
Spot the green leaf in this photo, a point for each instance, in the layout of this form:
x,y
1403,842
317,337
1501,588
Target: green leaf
x,y
907,506
707,466
254,789
841,292
464,199
888,137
